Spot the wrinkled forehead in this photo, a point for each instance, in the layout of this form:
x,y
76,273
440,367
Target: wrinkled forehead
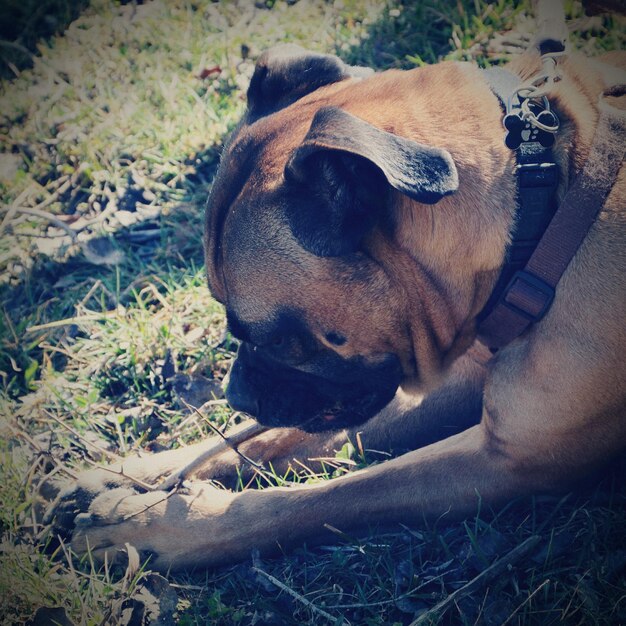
x,y
251,166
263,265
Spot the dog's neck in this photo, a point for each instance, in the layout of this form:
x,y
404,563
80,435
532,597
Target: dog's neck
x,y
484,204
435,237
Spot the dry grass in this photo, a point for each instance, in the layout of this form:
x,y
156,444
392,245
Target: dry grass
x,y
108,330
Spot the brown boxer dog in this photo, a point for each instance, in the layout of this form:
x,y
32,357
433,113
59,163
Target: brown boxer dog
x,y
355,230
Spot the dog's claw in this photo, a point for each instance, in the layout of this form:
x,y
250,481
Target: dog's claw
x,y
70,509
83,520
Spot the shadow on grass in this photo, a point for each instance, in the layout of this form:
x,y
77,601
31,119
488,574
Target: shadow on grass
x,y
417,33
165,244
26,23
414,33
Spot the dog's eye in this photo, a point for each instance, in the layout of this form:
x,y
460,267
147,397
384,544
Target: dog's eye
x,y
278,341
335,338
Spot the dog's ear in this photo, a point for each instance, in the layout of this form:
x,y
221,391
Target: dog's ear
x,y
285,73
349,167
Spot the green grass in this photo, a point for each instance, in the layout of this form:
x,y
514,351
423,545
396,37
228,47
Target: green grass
x,y
109,331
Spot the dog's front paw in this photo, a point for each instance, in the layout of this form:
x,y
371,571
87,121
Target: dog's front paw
x,y
137,472
174,529
76,498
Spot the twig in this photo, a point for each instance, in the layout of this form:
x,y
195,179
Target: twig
x,y
9,322
227,442
333,461
122,474
526,600
37,209
491,572
307,469
33,515
11,208
34,467
98,283
209,403
28,439
85,442
167,496
77,319
189,587
295,595
50,218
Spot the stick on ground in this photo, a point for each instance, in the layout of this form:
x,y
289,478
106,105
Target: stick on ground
x,y
296,595
494,570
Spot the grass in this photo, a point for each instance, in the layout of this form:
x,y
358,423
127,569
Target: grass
x,y
27,24
107,149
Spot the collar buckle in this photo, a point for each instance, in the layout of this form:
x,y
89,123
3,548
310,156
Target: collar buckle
x,y
528,295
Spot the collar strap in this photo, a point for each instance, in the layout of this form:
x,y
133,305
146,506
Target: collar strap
x,y
537,179
523,295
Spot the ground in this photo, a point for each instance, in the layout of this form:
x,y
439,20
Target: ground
x,y
108,146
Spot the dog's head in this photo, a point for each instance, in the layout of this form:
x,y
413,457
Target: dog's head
x,y
298,246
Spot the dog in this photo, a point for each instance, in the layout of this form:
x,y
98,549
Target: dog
x,y
356,228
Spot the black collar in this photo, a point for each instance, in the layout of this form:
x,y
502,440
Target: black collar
x,y
537,178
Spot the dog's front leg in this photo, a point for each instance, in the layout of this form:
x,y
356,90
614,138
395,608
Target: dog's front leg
x,y
408,422
204,526
143,471
404,425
